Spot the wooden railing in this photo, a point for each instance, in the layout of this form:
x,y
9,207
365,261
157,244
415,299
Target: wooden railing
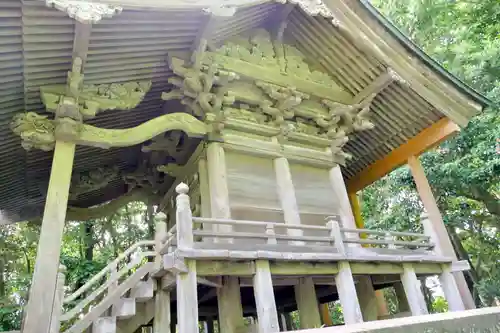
x,y
334,235
112,279
112,274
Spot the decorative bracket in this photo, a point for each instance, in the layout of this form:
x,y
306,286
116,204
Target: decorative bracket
x,y
38,131
84,11
92,180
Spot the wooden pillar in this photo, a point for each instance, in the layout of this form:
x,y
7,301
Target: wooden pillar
x,y
210,325
307,303
342,198
264,298
187,296
219,193
230,307
347,294
286,193
413,292
204,188
160,237
55,323
450,289
367,298
161,321
325,315
43,285
403,305
443,241
382,310
288,320
356,210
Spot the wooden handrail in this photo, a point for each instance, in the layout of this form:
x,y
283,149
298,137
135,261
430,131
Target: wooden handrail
x,y
112,280
107,269
388,242
382,233
199,220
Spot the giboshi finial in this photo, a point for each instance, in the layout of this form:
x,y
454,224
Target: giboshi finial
x,y
182,188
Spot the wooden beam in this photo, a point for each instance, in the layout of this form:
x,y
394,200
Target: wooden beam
x,y
307,303
43,287
229,304
356,211
428,138
264,298
435,226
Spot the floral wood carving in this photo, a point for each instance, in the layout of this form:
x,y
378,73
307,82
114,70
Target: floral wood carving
x,y
38,131
145,177
92,180
84,11
171,169
202,89
276,58
95,98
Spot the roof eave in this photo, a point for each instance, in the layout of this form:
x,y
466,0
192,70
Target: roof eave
x,y
456,82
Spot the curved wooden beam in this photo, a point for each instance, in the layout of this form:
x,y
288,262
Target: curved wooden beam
x,y
106,138
38,131
83,214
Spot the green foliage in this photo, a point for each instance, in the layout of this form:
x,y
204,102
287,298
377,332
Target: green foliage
x,y
87,248
464,172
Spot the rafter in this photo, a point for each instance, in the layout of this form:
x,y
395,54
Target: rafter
x,y
378,85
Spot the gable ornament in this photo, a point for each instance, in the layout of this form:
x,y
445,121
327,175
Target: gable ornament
x,y
84,11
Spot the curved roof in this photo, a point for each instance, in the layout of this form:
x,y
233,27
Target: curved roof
x,y
36,46
424,57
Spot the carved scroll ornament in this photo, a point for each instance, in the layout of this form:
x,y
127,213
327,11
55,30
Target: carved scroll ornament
x,y
84,11
92,180
94,98
40,132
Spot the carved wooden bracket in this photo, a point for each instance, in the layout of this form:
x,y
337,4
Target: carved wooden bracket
x,y
94,98
263,87
84,11
39,132
92,180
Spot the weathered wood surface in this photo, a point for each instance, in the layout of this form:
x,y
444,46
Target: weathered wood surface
x,y
307,303
43,287
264,298
110,299
477,320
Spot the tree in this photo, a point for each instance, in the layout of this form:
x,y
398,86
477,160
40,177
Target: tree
x,y
464,172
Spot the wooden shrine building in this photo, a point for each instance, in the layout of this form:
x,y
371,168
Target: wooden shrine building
x,y
250,125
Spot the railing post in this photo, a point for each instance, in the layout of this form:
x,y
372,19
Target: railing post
x,y
160,237
271,234
184,218
113,272
429,231
390,240
55,322
336,234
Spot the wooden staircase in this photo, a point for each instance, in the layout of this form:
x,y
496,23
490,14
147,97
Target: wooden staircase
x,y
115,294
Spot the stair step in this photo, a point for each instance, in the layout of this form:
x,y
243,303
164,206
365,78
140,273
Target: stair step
x,y
104,325
143,291
124,308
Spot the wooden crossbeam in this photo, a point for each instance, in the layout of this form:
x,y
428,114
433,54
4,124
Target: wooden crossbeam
x,y
425,140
